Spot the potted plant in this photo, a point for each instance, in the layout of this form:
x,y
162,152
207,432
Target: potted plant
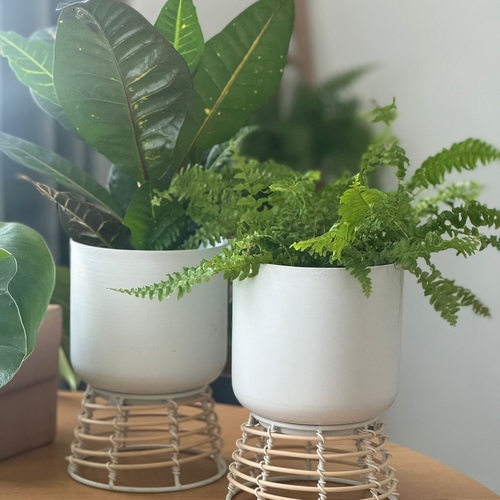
x,y
151,99
26,282
317,276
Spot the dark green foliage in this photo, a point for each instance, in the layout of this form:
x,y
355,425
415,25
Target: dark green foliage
x,y
272,214
321,128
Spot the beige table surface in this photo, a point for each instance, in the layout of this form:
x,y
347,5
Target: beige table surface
x,y
41,474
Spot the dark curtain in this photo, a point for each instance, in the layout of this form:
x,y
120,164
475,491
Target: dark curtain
x,y
19,116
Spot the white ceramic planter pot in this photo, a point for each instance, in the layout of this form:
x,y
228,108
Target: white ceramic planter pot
x,y
310,349
137,346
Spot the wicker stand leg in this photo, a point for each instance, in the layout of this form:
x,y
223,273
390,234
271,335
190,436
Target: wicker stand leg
x,y
279,463
146,443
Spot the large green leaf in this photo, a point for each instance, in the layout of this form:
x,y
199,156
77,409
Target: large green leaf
x,y
26,283
122,84
58,169
178,22
240,70
86,223
31,60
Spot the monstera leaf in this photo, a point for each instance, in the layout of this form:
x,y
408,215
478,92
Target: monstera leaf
x,y
26,284
122,84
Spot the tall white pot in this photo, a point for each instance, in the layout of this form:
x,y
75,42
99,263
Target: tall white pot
x,y
310,349
137,346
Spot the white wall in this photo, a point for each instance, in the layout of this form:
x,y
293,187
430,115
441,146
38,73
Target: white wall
x,y
441,60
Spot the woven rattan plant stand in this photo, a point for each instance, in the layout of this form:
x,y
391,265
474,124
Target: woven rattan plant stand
x,y
284,462
146,443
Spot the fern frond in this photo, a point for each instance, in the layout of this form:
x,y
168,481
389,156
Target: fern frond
x,y
356,204
446,296
386,114
387,154
318,244
463,219
465,155
239,260
450,195
359,267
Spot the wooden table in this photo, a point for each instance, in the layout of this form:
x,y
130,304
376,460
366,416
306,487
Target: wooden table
x,y
41,474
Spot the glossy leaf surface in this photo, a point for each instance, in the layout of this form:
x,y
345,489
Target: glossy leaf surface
x,y
178,22
26,283
122,84
240,70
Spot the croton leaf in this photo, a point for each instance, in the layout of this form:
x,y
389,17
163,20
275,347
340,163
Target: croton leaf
x,y
178,22
26,283
86,223
58,169
160,227
31,60
240,70
122,84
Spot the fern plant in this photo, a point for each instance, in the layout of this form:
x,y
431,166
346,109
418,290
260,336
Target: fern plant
x,y
273,215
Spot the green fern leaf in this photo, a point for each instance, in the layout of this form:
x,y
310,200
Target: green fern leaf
x,y
446,296
386,114
465,155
